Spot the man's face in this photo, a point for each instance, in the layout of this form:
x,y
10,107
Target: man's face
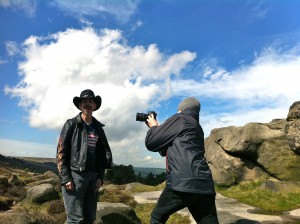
x,y
87,106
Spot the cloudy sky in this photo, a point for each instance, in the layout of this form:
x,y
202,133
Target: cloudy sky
x,y
241,59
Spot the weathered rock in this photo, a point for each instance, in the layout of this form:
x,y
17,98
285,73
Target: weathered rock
x,y
255,150
51,175
281,186
41,193
116,213
244,140
14,180
278,160
292,132
294,111
228,169
43,181
277,124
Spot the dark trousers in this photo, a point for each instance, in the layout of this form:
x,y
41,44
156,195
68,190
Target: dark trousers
x,y
81,203
201,206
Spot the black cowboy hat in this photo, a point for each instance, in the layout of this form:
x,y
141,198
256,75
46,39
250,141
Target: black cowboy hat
x,y
87,94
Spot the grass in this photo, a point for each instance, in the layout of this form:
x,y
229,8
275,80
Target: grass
x,y
143,211
249,193
52,212
143,188
117,194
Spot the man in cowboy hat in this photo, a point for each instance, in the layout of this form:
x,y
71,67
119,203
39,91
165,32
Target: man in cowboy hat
x,y
83,154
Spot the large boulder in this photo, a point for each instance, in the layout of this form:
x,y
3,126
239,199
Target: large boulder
x,y
292,132
116,213
256,150
41,193
226,168
51,175
277,158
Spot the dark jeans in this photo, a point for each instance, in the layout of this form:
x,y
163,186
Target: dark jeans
x,y
201,206
81,203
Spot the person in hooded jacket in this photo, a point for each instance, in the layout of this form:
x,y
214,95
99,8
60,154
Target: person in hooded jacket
x,y
189,180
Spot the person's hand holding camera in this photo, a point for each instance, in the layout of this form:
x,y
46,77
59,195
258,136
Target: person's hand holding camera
x,y
151,121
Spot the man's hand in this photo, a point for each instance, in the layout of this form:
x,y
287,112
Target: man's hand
x,y
151,122
69,186
99,183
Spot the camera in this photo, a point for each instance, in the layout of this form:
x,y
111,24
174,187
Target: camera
x,y
144,117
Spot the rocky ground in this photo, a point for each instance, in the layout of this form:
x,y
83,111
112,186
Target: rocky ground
x,y
230,211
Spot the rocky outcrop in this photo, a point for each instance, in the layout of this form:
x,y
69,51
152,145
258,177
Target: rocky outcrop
x,y
41,193
47,178
16,181
256,150
292,129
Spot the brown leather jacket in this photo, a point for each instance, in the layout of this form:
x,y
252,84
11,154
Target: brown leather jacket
x,y
72,149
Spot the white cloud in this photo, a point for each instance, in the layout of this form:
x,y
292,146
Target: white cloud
x,y
129,78
59,67
12,48
270,77
137,24
28,6
259,92
120,9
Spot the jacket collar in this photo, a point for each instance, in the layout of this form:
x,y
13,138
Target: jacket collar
x,y
80,121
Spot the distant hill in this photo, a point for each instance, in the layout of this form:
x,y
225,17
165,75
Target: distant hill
x,y
41,165
145,171
37,165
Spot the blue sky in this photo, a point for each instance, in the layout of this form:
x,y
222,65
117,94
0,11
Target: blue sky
x,y
241,59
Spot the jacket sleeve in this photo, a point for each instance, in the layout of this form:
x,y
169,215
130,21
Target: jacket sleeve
x,y
63,153
105,156
159,138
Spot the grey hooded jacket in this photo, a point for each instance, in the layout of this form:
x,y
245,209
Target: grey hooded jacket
x,y
181,139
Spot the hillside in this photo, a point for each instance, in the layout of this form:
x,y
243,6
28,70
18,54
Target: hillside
x,y
144,171
41,165
36,165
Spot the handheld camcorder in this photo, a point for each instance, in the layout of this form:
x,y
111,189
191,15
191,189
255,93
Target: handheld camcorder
x,y
144,117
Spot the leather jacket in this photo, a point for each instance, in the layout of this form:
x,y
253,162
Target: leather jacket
x,y
72,149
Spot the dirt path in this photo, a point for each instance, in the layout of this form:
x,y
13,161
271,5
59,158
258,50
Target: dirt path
x,y
231,211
